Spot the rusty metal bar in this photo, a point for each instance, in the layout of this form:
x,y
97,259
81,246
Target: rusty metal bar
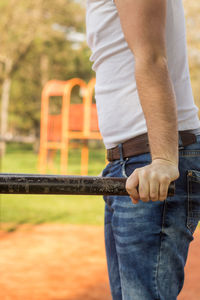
x,y
64,185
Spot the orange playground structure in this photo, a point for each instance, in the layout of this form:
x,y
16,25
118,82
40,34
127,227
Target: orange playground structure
x,y
75,121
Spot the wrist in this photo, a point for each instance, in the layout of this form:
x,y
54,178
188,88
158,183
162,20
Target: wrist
x,y
173,162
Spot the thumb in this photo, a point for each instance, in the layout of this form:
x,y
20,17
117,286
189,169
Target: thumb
x,y
132,184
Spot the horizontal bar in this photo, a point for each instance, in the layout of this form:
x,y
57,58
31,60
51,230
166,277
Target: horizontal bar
x,y
64,185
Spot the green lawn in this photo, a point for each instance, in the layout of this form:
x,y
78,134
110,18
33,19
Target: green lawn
x,y
35,209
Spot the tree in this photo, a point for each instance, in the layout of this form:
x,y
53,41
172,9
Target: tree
x,y
192,11
27,28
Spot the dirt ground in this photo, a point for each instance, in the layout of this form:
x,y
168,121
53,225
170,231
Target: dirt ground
x,y
67,262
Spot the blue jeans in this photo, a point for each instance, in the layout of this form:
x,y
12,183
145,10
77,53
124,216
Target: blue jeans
x,y
147,243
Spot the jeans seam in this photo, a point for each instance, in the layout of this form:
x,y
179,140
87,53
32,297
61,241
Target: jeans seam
x,y
160,249
188,203
108,203
106,198
189,206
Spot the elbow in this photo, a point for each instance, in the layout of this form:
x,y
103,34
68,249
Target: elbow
x,y
151,65
151,59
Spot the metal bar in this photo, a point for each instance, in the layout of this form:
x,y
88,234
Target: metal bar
x,y
64,185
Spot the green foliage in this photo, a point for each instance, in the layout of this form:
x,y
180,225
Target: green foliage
x,y
192,11
35,30
30,31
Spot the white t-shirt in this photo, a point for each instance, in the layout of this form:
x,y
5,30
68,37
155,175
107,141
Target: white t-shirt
x,y
120,113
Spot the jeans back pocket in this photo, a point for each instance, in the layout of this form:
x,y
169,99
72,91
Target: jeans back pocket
x,y
193,189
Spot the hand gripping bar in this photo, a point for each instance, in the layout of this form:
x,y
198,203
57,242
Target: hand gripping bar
x,y
65,185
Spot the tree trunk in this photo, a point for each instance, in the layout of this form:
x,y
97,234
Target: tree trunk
x,y
44,71
5,103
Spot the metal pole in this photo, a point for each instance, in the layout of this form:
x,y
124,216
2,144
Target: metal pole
x,y
64,185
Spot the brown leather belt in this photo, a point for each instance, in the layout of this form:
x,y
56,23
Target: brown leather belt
x,y
140,145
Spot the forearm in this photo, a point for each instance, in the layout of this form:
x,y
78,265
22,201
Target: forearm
x,y
159,106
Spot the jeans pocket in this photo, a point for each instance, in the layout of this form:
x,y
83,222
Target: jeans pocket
x,y
193,205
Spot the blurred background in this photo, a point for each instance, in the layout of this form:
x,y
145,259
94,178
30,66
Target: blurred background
x,y
43,41
40,41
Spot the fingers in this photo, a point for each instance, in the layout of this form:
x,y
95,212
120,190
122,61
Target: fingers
x,y
134,200
137,185
154,189
164,186
144,187
131,187
147,186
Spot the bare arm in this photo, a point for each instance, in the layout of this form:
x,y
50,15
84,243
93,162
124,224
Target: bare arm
x,y
143,24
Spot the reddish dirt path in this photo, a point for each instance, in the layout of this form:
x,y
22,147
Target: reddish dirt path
x,y
67,262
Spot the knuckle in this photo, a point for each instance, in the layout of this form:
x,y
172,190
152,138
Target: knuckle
x,y
142,195
163,196
165,179
153,175
144,173
153,193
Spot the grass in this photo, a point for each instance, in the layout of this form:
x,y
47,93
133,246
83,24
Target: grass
x,y
36,209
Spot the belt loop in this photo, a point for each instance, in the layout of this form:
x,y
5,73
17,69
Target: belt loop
x,y
121,152
180,142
